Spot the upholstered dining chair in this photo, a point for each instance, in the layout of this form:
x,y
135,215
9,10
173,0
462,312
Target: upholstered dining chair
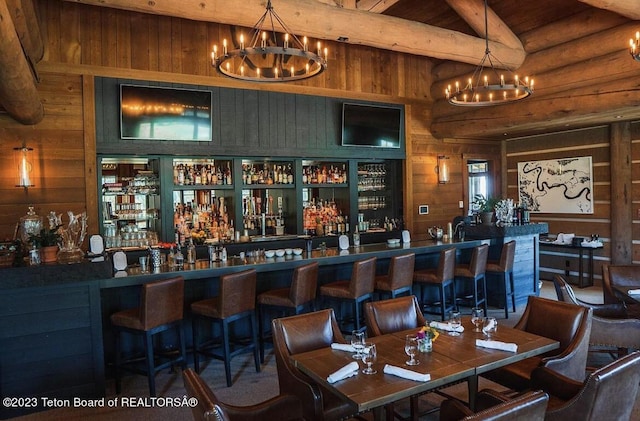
x,y
621,275
609,327
399,279
440,278
161,309
568,324
608,393
503,268
394,315
355,290
210,408
472,277
301,333
289,300
529,406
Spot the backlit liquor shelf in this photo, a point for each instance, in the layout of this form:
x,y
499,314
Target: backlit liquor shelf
x,y
230,199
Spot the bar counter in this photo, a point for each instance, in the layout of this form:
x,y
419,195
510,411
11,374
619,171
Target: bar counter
x,y
54,326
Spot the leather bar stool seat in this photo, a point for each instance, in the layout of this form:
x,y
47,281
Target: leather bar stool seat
x,y
473,273
292,300
354,291
161,309
503,268
235,302
441,278
399,279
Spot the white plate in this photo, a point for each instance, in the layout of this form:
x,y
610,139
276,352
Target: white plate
x,y
119,260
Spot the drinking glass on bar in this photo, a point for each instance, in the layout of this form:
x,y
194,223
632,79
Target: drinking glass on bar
x,y
357,341
411,349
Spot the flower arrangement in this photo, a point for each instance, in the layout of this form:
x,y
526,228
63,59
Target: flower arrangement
x,y
428,332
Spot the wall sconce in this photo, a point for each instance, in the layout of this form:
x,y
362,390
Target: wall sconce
x,y
443,169
23,158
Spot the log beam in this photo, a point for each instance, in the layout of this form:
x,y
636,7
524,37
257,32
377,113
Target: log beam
x,y
310,18
18,92
375,6
628,8
28,28
472,11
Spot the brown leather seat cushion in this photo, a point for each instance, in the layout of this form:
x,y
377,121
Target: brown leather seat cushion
x,y
338,289
383,282
429,276
276,297
128,318
494,267
209,308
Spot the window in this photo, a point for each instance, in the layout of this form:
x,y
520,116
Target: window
x,y
478,180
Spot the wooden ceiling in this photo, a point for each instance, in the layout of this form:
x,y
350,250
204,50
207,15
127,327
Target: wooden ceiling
x,y
576,50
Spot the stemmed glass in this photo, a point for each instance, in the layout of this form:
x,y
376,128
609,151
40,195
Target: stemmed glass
x,y
357,342
369,356
490,326
455,322
411,349
476,318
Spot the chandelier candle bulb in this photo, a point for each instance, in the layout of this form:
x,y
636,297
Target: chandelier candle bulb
x,y
286,41
224,47
305,43
241,41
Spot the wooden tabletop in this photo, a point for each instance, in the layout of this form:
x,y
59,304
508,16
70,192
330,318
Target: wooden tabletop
x,y
624,292
453,359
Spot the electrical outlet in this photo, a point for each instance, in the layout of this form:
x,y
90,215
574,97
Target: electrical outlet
x,y
461,204
423,209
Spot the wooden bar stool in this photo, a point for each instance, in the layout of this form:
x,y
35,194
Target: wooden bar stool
x,y
355,290
504,269
236,301
161,308
441,277
288,301
474,273
399,280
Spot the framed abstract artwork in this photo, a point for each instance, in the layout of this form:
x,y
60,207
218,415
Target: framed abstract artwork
x,y
563,185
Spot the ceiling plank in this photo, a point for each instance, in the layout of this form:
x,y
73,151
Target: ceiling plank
x,y
628,8
309,17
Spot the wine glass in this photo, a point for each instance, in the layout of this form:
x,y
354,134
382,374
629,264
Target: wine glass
x,y
411,349
455,322
477,318
357,342
369,356
490,326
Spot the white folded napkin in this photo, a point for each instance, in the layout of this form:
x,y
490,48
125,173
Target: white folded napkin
x,y
503,346
633,292
406,374
564,238
348,370
593,244
446,326
343,347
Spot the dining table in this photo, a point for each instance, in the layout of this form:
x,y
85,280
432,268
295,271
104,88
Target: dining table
x,y
453,359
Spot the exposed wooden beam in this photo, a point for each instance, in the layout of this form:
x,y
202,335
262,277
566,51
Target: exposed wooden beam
x,y
472,11
311,18
18,93
375,6
628,8
28,28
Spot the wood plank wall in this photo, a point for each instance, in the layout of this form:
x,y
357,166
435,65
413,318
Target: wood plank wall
x,y
592,142
59,160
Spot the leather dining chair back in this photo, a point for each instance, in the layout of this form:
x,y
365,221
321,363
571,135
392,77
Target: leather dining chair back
x,y
566,323
529,406
209,408
608,393
393,315
301,333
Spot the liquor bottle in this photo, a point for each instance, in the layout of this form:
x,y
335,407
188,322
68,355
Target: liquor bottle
x,y
171,258
289,174
219,176
178,258
191,252
229,177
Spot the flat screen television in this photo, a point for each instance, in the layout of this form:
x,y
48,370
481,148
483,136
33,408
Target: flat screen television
x,y
371,125
157,113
